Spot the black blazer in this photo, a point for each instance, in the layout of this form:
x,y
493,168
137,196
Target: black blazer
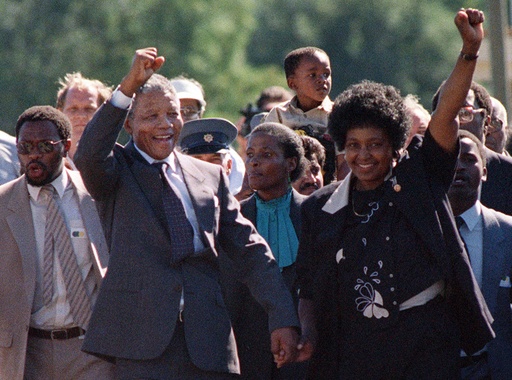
x,y
421,197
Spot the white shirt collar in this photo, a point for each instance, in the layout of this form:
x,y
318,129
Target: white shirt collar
x,y
170,160
326,104
60,183
339,198
472,215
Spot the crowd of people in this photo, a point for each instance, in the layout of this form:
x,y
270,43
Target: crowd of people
x,y
360,238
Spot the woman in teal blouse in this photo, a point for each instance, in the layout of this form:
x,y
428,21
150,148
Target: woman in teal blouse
x,y
275,158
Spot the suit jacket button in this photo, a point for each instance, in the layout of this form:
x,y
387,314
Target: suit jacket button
x,y
177,288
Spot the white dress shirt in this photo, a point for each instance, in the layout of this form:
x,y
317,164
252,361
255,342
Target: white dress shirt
x,y
177,183
472,233
58,314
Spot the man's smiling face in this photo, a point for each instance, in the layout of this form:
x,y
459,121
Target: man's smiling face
x,y
155,123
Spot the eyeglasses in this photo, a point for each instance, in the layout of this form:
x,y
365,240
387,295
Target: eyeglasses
x,y
189,111
496,125
467,114
42,147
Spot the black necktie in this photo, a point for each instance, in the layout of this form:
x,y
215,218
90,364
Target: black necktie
x,y
181,232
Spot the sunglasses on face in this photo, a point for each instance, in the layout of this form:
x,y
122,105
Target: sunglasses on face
x,y
42,147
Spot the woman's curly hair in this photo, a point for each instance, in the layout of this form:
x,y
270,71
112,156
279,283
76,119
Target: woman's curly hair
x,y
369,104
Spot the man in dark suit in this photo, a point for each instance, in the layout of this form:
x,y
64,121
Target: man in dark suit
x,y
475,117
160,313
488,238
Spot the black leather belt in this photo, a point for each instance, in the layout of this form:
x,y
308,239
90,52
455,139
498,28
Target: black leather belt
x,y
58,334
466,361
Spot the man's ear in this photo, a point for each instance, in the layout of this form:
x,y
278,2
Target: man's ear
x,y
486,124
484,174
291,82
292,164
229,166
67,146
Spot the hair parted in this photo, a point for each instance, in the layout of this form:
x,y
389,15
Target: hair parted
x,y
482,97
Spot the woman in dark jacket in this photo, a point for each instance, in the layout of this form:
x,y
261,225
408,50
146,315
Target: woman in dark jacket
x,y
275,158
387,291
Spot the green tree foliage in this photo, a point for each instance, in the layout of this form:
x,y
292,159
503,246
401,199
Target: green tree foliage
x,y
407,43
234,48
45,39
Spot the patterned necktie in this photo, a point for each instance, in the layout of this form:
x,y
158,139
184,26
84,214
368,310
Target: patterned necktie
x,y
180,230
57,240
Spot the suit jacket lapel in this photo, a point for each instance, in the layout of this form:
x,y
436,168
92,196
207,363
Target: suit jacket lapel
x,y
492,260
22,228
249,209
148,179
202,197
295,205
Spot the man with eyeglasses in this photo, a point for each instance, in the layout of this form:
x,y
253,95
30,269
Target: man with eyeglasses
x,y
192,106
53,258
497,131
191,95
475,116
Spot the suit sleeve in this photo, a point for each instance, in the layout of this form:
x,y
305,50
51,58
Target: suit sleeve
x,y
94,157
439,164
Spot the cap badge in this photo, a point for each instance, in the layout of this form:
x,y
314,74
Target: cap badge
x,y
208,138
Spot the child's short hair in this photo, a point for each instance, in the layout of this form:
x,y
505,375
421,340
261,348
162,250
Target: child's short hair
x,y
293,58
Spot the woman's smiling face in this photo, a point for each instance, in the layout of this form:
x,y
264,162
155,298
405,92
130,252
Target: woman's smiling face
x,y
369,155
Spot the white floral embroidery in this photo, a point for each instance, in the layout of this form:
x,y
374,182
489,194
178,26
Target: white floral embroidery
x,y
340,256
374,206
370,303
